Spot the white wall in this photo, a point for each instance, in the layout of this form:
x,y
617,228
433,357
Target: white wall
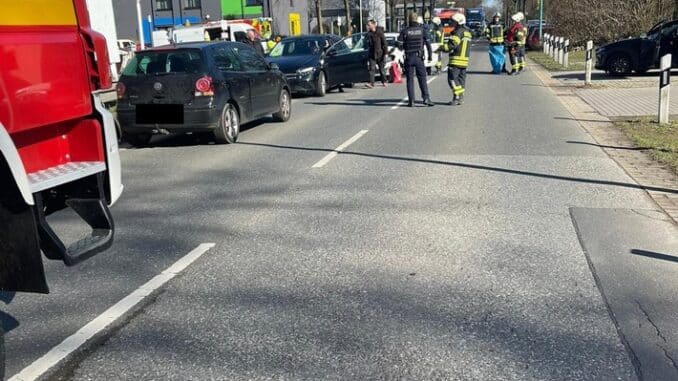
x,y
103,21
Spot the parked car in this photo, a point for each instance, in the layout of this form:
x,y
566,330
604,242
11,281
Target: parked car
x,y
640,54
396,47
315,64
395,53
533,42
206,86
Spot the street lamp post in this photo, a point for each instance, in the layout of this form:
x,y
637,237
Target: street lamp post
x,y
361,15
140,25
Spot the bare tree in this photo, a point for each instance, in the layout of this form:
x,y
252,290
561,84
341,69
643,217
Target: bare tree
x,y
608,19
319,15
347,7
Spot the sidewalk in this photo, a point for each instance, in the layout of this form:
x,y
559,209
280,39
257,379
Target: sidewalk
x,y
615,98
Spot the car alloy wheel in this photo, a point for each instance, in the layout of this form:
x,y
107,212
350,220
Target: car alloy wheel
x,y
321,85
285,107
619,64
229,125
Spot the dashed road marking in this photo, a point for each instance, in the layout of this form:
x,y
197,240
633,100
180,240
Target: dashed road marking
x,y
40,366
336,151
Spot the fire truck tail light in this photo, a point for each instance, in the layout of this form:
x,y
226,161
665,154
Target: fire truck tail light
x,y
204,87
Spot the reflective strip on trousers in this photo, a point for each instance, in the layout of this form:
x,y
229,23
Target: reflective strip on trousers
x,y
461,62
458,90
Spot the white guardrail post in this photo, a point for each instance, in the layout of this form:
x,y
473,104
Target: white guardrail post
x,y
552,47
566,54
545,42
561,43
589,61
664,88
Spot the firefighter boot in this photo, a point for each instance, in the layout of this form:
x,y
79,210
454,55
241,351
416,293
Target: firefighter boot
x,y
453,101
428,102
460,100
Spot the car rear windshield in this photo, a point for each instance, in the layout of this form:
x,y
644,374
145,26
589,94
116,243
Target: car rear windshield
x,y
164,62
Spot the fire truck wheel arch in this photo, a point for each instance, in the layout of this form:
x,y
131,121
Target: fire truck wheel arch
x,y
11,156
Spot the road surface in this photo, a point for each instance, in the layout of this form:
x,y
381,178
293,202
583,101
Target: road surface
x,y
439,244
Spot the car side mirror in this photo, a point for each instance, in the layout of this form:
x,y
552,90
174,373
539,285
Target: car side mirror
x,y
273,66
331,53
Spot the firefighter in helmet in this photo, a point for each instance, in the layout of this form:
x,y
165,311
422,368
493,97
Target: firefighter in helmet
x,y
459,46
495,36
516,38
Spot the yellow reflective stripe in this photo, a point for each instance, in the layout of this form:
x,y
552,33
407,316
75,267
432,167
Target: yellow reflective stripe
x,y
455,39
464,47
37,12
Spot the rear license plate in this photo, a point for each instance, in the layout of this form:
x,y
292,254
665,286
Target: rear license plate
x,y
160,114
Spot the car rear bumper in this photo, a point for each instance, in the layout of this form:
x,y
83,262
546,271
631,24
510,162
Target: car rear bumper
x,y
194,119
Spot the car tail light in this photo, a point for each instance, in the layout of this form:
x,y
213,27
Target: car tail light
x,y
120,89
204,87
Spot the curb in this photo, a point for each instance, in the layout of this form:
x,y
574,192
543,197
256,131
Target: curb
x,y
639,166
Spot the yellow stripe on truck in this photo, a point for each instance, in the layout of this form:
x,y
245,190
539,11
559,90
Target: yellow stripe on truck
x,y
37,12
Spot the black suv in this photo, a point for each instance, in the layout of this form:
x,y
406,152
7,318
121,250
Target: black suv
x,y
640,54
206,86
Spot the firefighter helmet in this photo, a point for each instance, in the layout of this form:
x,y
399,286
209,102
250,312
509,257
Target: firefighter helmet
x,y
518,17
459,18
497,15
436,20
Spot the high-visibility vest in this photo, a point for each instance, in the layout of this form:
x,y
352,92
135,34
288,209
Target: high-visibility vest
x,y
459,46
521,36
495,34
440,36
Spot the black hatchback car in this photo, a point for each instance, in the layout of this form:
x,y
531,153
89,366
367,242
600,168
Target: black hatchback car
x,y
206,86
640,54
314,64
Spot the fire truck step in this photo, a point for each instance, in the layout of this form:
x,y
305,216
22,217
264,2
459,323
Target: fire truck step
x,y
96,214
64,173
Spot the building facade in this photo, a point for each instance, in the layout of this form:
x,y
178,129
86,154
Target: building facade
x,y
290,17
159,14
241,9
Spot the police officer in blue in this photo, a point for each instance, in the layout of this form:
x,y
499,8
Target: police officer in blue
x,y
414,40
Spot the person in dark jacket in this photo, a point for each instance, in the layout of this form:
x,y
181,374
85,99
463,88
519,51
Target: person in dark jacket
x,y
414,41
254,42
376,42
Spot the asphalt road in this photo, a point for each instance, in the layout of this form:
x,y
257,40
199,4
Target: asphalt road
x,y
438,245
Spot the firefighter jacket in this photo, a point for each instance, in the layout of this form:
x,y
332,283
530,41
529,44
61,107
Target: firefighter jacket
x,y
495,33
459,46
517,35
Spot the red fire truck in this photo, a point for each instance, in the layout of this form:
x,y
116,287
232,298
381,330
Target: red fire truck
x,y
58,145
446,18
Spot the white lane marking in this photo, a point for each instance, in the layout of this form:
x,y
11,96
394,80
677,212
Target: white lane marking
x,y
76,340
402,102
336,151
431,80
